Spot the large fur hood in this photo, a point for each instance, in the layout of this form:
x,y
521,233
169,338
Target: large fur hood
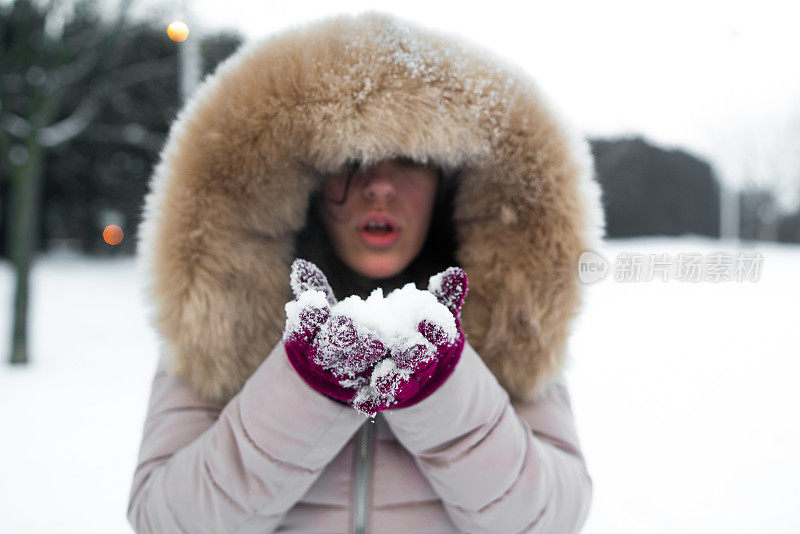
x,y
234,180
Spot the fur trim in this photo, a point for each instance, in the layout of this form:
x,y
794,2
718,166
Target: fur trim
x,y
233,182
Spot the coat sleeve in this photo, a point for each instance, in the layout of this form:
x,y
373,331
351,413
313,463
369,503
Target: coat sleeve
x,y
498,466
237,468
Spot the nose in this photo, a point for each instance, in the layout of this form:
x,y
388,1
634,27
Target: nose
x,y
379,183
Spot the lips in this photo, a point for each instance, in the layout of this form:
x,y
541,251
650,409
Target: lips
x,y
378,230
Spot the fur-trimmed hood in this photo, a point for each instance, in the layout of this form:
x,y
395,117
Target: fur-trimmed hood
x,y
233,184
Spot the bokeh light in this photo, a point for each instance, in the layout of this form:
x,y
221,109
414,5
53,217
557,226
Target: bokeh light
x,y
113,234
178,31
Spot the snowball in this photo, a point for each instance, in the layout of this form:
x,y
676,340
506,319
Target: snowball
x,y
383,337
435,282
396,317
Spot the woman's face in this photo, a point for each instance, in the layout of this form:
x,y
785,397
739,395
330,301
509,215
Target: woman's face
x,y
383,223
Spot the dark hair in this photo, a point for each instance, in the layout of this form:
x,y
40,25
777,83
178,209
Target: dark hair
x,y
437,253
352,167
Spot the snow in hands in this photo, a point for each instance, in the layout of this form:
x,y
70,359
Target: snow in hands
x,y
410,323
372,346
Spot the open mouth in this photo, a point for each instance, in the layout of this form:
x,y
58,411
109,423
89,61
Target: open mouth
x,y
378,228
379,231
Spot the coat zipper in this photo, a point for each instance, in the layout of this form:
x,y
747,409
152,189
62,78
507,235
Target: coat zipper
x,y
364,446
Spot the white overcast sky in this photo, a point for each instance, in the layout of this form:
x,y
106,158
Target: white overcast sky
x,y
717,78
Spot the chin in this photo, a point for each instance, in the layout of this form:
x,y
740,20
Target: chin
x,y
380,268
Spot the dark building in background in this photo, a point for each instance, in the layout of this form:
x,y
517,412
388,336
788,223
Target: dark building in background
x,y
789,228
648,190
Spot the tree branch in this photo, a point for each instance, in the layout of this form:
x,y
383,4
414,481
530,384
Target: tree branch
x,y
79,120
143,71
87,58
66,129
132,134
14,124
76,70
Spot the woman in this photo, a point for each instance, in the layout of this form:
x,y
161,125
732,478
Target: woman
x,y
443,156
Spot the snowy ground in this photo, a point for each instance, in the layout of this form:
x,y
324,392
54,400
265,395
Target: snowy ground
x,y
685,396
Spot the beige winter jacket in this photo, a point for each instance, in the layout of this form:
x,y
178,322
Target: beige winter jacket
x,y
235,441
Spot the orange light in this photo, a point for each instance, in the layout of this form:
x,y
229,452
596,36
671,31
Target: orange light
x,y
178,31
112,234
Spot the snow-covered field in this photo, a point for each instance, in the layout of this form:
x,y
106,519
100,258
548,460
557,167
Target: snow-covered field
x,y
685,396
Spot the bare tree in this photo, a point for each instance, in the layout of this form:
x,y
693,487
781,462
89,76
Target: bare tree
x,y
759,161
41,66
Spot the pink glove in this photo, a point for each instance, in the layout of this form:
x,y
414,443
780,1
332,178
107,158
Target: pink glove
x,y
326,350
418,370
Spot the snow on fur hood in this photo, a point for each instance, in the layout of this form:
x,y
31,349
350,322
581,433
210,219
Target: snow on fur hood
x,y
234,179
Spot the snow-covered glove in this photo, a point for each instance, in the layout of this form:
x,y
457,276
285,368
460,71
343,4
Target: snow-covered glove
x,y
326,349
420,362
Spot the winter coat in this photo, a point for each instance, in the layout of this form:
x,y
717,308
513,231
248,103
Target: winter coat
x,y
234,440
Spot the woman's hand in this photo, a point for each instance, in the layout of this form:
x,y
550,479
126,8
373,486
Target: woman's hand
x,y
327,350
417,369
348,362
